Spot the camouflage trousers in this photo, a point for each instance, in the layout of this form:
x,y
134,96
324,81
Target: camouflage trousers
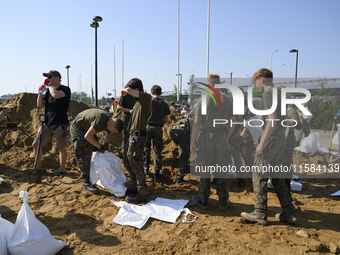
x,y
82,149
213,149
222,189
272,154
134,163
181,137
287,160
125,137
235,142
156,135
247,150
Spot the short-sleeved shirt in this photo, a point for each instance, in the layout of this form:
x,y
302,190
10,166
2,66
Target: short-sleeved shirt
x,y
158,110
224,111
184,122
92,117
140,113
128,102
267,102
56,109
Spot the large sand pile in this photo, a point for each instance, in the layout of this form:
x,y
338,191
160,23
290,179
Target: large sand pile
x,y
85,220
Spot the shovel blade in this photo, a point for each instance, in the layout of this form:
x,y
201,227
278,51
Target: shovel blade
x,y
328,157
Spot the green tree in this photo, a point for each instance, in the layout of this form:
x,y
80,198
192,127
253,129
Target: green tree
x,y
173,96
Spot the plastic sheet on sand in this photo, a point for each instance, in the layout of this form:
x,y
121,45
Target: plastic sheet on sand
x,y
161,208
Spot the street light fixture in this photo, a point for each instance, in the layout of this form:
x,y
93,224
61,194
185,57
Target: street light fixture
x,y
297,54
271,55
68,81
287,68
94,25
154,80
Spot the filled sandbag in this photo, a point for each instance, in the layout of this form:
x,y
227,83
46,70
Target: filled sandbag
x,y
29,236
6,228
107,172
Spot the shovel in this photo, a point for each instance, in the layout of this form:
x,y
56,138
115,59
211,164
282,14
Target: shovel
x,y
329,157
34,175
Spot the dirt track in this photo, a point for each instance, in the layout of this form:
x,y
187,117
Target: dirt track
x,y
85,220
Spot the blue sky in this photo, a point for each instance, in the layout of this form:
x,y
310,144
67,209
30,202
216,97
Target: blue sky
x,y
41,35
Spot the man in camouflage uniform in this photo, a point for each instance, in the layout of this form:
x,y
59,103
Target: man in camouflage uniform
x,y
269,151
125,104
180,135
83,132
213,145
159,115
247,148
235,141
137,141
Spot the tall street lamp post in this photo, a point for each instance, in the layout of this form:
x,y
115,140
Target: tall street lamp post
x,y
296,67
179,96
68,80
95,24
271,55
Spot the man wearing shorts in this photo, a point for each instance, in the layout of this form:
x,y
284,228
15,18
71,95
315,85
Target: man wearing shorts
x,y
56,100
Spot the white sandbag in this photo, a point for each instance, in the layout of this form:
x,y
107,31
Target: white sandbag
x,y
307,116
31,237
107,172
1,179
294,185
6,228
312,144
335,139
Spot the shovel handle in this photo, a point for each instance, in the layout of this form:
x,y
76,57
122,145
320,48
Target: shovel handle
x,y
330,142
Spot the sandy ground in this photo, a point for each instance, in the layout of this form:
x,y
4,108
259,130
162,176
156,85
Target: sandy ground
x,y
85,222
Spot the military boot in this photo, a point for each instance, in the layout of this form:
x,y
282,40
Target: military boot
x,y
146,166
89,186
157,175
180,181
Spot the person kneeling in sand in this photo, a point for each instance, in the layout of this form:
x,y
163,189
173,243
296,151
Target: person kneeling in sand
x,y
83,132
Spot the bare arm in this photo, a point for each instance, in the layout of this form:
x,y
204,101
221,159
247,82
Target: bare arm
x,y
40,101
56,93
166,119
130,91
195,130
89,136
107,137
231,129
3,114
267,132
121,108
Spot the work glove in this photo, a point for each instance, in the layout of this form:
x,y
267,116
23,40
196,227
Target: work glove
x,y
47,82
42,89
104,147
336,117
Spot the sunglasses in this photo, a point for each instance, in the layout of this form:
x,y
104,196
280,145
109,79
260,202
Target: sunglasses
x,y
49,77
